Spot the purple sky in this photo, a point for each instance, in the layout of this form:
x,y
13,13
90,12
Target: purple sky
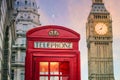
x,y
73,14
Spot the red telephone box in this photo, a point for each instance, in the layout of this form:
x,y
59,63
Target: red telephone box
x,y
52,54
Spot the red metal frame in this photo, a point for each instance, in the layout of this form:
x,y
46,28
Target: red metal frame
x,y
50,54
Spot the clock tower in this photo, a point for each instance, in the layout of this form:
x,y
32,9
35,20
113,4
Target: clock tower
x,y
99,42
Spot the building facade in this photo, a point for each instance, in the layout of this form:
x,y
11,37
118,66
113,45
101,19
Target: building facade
x,y
7,37
99,42
26,19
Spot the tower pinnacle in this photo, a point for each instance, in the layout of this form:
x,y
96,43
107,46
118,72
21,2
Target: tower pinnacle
x,y
97,1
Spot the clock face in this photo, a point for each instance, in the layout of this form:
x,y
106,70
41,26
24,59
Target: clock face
x,y
101,29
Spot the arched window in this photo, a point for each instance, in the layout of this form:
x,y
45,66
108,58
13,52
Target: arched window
x,y
25,2
33,4
18,3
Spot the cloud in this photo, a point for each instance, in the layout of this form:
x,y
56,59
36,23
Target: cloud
x,y
43,17
78,13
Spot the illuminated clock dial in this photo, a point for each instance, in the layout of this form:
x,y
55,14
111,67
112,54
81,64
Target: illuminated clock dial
x,y
101,29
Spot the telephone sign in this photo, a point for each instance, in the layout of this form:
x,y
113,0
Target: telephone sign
x,y
54,45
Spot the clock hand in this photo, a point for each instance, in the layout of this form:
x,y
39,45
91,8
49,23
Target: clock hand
x,y
101,28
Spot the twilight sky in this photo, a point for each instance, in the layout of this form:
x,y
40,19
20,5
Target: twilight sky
x,y
73,14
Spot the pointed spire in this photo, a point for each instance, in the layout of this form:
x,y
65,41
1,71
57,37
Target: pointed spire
x,y
97,1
